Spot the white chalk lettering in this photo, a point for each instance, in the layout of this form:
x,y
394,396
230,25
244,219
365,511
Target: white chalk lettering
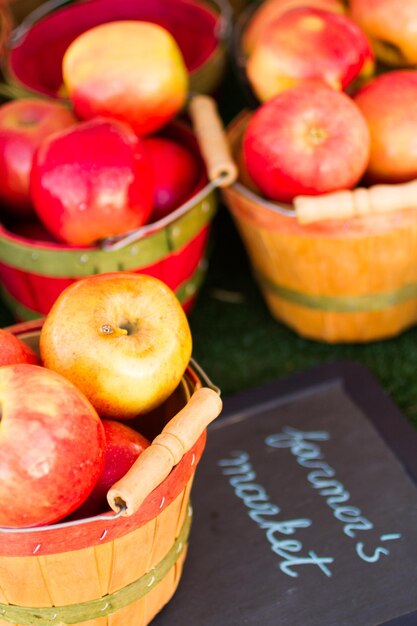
x,y
253,495
304,447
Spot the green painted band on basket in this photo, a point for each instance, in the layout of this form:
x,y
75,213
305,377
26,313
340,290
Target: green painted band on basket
x,y
94,609
184,292
75,263
341,304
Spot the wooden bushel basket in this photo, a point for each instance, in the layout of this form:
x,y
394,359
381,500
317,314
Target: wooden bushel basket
x,y
173,249
341,267
37,45
122,567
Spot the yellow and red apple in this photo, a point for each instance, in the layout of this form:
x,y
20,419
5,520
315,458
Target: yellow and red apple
x,y
13,350
388,104
268,11
91,181
307,140
308,44
122,338
24,124
133,71
51,446
391,25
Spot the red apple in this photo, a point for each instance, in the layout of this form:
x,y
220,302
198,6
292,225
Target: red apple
x,y
92,181
24,124
388,104
268,11
129,70
51,446
176,173
123,446
307,140
13,350
122,338
308,44
391,26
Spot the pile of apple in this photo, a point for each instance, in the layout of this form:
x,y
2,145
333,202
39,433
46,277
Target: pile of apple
x,y
113,347
338,93
103,165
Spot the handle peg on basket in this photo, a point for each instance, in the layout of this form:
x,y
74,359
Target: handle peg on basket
x,y
212,140
358,202
166,450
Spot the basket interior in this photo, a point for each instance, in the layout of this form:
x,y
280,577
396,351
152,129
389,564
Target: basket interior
x,y
35,59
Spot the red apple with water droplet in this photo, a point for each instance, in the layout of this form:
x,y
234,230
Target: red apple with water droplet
x,y
92,181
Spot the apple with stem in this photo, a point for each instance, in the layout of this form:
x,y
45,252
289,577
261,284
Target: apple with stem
x,y
51,446
307,140
24,124
122,338
308,44
123,446
92,181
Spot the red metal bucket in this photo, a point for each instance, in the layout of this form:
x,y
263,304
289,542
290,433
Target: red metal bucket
x,y
33,273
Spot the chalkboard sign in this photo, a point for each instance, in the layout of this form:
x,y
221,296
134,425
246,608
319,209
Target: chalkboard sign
x,y
305,509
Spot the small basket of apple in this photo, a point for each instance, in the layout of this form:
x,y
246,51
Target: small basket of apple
x,y
103,422
110,180
326,197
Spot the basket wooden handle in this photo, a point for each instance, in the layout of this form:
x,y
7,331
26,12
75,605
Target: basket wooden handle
x,y
214,147
356,202
166,450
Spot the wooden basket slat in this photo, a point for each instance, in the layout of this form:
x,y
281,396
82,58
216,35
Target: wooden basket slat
x,y
165,530
2,596
15,572
185,504
71,577
158,597
131,556
104,560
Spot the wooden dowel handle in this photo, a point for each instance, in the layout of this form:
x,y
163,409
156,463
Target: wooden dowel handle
x,y
212,140
166,450
356,202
